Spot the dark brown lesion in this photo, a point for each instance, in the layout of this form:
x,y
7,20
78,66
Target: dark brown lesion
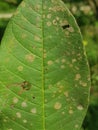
x,y
12,106
25,85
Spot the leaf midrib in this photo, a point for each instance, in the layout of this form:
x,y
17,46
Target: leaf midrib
x,y
43,77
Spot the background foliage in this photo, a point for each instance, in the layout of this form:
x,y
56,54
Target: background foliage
x,y
86,13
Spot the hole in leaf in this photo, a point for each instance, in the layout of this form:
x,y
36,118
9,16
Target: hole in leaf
x,y
65,26
33,97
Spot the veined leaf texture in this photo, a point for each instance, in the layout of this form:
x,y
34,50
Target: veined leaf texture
x,y
44,75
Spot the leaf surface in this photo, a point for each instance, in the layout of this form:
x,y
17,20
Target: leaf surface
x,y
44,76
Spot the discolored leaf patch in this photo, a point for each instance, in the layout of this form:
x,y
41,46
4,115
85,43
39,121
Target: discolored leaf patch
x,y
44,74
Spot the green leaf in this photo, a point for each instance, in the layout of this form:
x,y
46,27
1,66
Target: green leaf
x,y
44,76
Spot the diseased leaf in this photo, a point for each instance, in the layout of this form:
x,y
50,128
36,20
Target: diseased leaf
x,y
44,76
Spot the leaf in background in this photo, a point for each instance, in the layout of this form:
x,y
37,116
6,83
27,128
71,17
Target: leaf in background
x,y
44,76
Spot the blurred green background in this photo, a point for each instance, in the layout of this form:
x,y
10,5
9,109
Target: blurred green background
x,y
86,14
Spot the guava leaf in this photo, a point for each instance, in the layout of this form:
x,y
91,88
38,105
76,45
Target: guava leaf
x,y
44,75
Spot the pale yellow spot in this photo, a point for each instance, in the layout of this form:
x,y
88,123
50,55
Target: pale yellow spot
x,y
15,100
45,55
55,92
77,68
53,1
50,86
71,29
74,60
54,22
57,18
7,59
23,4
78,54
70,111
37,19
59,97
63,60
50,36
57,31
68,99
43,15
66,33
36,38
83,84
76,126
24,36
31,124
68,53
73,52
29,58
73,99
61,86
76,85
37,7
57,105
57,61
78,76
16,12
5,120
44,7
49,16
7,117
49,23
18,114
63,113
44,51
20,68
71,65
56,8
70,44
60,91
46,100
58,83
65,22
24,121
62,66
53,95
66,94
10,129
80,107
88,77
34,111
24,104
50,62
